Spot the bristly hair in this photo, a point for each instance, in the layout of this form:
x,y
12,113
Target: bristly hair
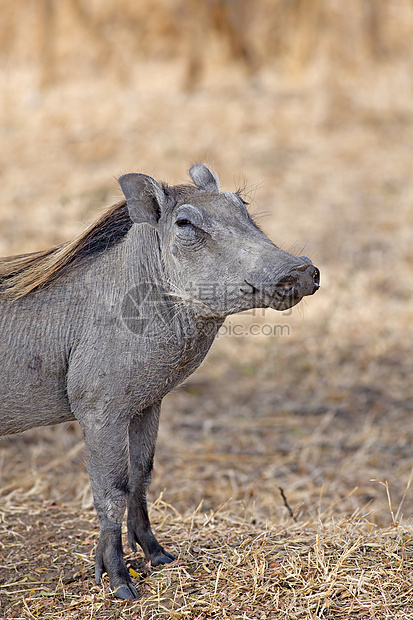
x,y
21,275
26,273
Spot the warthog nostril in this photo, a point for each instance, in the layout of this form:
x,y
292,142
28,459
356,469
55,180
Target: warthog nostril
x,y
316,277
313,272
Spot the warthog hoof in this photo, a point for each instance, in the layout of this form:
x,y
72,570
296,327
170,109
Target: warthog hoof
x,y
126,592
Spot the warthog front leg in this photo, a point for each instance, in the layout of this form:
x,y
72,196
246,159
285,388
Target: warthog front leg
x,y
143,430
107,455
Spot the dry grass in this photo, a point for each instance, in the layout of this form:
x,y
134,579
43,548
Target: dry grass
x,y
230,565
323,409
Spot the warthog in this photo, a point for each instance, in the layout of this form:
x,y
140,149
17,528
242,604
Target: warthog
x,y
99,329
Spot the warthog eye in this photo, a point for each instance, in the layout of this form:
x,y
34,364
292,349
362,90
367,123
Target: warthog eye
x,y
183,222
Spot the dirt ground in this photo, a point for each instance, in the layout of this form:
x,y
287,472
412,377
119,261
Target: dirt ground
x,y
318,403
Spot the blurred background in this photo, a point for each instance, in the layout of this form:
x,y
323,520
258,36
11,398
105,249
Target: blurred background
x,y
309,105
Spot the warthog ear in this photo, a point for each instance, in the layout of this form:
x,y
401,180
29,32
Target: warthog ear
x,y
144,197
204,179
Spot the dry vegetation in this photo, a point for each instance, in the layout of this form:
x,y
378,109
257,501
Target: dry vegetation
x,y
318,117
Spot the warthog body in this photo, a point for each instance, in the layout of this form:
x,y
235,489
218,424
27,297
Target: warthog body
x,y
101,328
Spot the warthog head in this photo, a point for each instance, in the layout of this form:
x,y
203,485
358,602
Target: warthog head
x,y
213,253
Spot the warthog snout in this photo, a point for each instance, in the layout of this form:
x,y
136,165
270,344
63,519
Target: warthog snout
x,y
289,289
303,280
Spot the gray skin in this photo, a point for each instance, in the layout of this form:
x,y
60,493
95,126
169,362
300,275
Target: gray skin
x,y
107,341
